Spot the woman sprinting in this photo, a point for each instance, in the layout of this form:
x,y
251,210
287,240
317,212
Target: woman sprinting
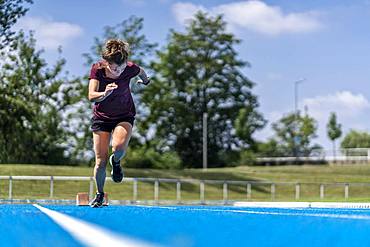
x,y
113,111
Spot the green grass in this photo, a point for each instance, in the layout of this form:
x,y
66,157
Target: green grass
x,y
310,176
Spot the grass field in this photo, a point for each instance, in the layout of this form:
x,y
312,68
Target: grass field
x,y
309,177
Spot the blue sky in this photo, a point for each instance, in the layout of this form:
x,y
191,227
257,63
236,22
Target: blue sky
x,y
326,42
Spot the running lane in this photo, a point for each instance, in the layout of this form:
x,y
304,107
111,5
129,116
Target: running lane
x,y
25,225
231,226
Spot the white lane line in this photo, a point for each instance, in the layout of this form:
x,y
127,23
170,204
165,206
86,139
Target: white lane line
x,y
153,207
339,205
335,216
320,215
273,204
90,234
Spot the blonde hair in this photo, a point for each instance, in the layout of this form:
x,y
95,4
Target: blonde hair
x,y
116,51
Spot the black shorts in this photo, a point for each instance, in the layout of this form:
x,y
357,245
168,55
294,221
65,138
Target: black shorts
x,y
101,125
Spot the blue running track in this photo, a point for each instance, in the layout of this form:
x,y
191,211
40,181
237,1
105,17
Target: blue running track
x,y
26,225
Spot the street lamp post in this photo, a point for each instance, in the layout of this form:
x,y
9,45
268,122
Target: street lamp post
x,y
296,114
296,83
205,116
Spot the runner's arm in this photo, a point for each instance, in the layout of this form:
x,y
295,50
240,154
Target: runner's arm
x,y
94,95
144,79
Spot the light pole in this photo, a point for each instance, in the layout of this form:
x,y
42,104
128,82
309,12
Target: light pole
x,y
296,138
296,83
205,116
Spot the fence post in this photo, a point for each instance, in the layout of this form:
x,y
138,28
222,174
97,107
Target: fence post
x,y
10,187
51,186
346,191
201,191
322,191
178,191
225,193
134,190
249,191
273,192
297,191
156,191
91,188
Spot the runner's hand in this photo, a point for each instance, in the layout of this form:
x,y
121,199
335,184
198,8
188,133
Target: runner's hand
x,y
109,88
140,81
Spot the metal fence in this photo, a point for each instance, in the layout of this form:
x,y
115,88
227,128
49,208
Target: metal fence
x,y
271,189
340,156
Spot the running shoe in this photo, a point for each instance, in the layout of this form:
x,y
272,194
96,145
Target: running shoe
x,y
117,172
98,200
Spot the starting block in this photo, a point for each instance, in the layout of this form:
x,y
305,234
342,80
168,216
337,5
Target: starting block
x,y
82,199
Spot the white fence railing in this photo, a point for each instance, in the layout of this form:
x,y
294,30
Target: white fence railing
x,y
349,155
246,185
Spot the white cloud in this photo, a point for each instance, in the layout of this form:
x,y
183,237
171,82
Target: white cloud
x,y
48,33
347,104
351,109
256,16
185,11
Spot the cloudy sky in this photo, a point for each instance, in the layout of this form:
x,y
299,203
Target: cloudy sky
x,y
327,42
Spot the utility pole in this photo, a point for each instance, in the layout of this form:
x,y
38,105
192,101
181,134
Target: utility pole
x,y
296,115
205,116
296,83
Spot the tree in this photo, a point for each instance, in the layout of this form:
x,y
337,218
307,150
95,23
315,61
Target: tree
x,y
246,123
130,31
295,134
34,99
198,72
10,12
270,148
334,130
356,139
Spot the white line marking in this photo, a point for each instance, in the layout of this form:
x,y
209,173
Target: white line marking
x,y
344,205
273,204
144,206
321,215
335,216
90,234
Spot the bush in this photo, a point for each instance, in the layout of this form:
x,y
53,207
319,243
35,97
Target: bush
x,y
227,158
149,158
247,157
232,158
356,139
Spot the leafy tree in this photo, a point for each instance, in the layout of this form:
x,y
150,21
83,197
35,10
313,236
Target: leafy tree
x,y
141,49
130,31
247,122
270,148
198,72
356,139
334,129
295,134
34,98
10,11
